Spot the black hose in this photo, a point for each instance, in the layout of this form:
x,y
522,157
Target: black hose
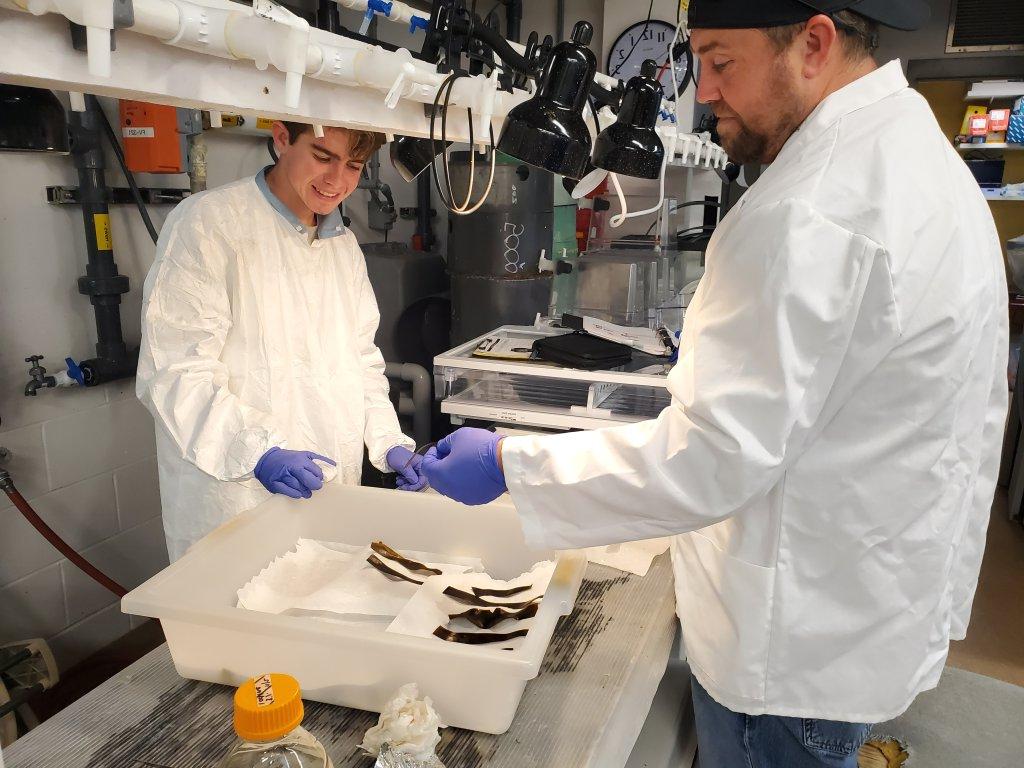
x,y
119,153
691,204
493,40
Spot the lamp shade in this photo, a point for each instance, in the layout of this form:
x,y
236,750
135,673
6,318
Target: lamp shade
x,y
548,130
631,146
411,156
32,120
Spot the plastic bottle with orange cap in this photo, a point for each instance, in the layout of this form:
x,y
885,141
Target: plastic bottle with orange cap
x,y
268,721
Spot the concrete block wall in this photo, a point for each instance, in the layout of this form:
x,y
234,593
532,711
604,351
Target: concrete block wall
x,y
84,458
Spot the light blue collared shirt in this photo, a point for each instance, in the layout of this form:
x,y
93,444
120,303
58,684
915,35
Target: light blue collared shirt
x,y
327,226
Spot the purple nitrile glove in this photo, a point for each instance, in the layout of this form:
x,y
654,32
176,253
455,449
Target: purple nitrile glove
x,y
292,473
464,467
406,465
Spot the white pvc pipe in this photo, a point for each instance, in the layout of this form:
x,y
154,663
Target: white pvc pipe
x,y
400,12
159,20
233,31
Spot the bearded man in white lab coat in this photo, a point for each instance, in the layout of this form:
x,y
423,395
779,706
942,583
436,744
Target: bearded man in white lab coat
x,y
258,360
830,454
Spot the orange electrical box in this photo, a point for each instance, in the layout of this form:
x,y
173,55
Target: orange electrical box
x,y
153,139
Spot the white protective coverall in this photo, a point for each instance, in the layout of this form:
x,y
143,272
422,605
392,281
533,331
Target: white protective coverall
x,y
253,337
833,439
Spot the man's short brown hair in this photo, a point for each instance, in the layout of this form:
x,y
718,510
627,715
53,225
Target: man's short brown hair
x,y
859,34
362,144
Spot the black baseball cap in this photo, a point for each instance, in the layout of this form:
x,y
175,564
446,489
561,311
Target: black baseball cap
x,y
745,14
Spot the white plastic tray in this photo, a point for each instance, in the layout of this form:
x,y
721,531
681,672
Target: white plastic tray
x,y
354,665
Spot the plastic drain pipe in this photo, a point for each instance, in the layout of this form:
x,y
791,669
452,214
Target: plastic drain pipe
x,y
421,399
7,486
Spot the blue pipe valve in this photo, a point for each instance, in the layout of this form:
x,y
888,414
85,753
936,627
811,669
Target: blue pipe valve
x,y
372,7
418,22
75,371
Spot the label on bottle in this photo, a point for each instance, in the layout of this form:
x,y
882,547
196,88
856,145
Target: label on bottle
x,y
264,691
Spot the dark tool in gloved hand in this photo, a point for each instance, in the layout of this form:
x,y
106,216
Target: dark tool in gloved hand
x,y
406,465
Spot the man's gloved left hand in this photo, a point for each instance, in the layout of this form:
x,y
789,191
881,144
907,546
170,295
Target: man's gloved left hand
x,y
407,466
464,466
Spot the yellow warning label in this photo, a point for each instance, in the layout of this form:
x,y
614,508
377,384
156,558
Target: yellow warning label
x,y
102,222
264,123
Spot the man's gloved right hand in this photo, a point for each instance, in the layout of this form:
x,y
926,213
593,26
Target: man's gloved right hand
x,y
293,473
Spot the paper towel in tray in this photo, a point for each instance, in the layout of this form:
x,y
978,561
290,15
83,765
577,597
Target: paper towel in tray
x,y
331,578
631,557
430,608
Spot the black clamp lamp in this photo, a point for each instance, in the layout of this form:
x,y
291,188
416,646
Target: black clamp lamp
x,y
631,146
411,156
548,130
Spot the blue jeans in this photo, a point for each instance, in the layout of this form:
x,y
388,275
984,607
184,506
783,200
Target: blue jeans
x,y
726,739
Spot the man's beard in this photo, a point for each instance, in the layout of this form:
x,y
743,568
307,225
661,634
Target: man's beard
x,y
746,146
762,145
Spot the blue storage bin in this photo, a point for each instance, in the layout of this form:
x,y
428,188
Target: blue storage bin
x,y
1015,133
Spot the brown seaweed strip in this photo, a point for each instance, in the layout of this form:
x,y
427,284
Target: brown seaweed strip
x,y
487,618
384,550
501,592
377,563
477,638
470,599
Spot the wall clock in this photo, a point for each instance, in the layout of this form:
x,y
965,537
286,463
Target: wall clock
x,y
641,41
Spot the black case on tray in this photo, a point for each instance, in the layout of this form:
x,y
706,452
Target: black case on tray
x,y
582,350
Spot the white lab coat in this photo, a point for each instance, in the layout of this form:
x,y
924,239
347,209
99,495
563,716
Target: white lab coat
x,y
833,440
254,338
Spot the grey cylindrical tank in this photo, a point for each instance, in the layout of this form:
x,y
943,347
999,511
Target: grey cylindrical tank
x,y
494,254
481,304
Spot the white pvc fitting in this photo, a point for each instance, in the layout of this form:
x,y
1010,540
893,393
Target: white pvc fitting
x,y
285,44
337,64
97,16
202,28
296,48
402,13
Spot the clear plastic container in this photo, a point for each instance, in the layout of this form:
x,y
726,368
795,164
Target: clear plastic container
x,y
298,749
267,718
546,396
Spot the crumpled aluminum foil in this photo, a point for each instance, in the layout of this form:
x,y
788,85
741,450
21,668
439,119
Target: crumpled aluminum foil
x,y
390,758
